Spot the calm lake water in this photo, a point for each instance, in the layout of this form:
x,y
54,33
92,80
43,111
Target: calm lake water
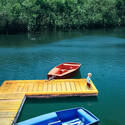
x,y
101,52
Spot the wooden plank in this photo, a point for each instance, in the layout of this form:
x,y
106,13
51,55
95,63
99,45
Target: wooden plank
x,y
59,89
54,86
10,104
79,86
82,86
8,114
12,96
49,86
30,87
45,86
36,87
68,86
40,85
72,86
6,121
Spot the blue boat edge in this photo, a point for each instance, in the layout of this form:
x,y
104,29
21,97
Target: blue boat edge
x,y
58,117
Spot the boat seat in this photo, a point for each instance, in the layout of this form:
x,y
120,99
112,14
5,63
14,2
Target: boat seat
x,y
89,118
55,123
72,122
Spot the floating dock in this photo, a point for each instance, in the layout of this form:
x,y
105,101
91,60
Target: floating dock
x,y
14,93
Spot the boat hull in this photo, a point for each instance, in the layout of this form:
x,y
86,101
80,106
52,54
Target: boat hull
x,y
64,117
64,76
67,76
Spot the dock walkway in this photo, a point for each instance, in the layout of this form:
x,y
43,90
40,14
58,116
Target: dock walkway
x,y
14,93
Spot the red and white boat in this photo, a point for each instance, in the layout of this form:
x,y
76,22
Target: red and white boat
x,y
63,71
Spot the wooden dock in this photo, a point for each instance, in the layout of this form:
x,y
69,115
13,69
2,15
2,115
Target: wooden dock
x,y
14,93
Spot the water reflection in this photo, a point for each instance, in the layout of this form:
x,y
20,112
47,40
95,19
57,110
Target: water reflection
x,y
31,40
78,75
28,40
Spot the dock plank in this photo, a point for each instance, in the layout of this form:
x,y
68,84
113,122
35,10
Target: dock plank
x,y
49,86
12,96
72,86
6,121
6,114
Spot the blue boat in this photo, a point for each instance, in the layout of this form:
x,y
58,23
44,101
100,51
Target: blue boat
x,y
76,116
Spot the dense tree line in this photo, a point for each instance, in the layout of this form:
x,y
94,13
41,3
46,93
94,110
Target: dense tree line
x,y
37,15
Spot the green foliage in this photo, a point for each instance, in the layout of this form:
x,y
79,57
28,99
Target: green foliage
x,y
36,15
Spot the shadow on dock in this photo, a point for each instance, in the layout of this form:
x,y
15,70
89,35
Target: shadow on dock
x,y
64,99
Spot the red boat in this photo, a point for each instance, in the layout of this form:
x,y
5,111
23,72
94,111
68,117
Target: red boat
x,y
63,71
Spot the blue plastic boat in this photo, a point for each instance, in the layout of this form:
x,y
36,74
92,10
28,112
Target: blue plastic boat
x,y
76,116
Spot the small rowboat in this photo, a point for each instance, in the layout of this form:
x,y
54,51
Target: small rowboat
x,y
65,70
76,116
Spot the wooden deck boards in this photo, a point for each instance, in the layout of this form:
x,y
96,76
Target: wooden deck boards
x,y
9,106
12,93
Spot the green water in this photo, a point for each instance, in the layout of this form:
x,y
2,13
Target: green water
x,y
101,52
